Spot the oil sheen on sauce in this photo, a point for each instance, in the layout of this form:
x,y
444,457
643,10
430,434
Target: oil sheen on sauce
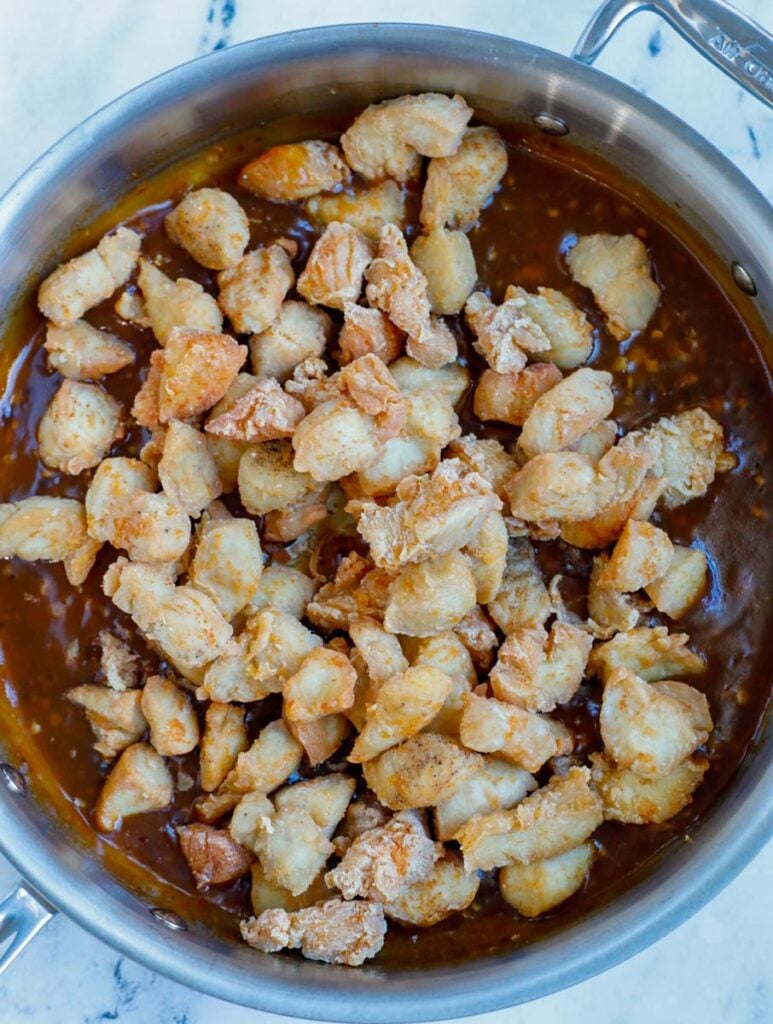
x,y
695,351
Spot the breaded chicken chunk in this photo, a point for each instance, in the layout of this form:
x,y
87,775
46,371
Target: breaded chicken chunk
x,y
421,772
367,210
180,303
496,785
568,331
368,331
651,654
561,416
227,563
503,334
522,599
264,413
521,737
448,890
139,782
78,428
187,469
448,264
299,332
223,739
49,530
534,889
635,800
510,397
211,226
174,728
642,555
432,596
536,671
196,370
460,185
81,352
387,140
253,289
294,171
115,716
335,267
682,585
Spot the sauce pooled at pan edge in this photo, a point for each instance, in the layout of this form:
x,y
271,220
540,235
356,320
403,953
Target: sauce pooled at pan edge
x,y
696,350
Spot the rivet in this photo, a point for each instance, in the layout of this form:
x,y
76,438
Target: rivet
x,y
13,780
170,918
743,278
550,124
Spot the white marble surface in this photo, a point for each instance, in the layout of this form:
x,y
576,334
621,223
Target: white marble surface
x,y
59,61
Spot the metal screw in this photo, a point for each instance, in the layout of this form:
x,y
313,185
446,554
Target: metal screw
x,y
170,918
13,780
743,278
550,124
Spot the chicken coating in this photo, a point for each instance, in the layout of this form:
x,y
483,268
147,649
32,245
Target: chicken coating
x,y
431,515
253,290
139,782
287,589
357,590
536,671
503,334
368,382
115,716
180,303
381,652
617,270
325,798
451,380
196,370
228,564
85,281
630,798
50,530
487,557
174,728
150,528
266,896
266,764
695,703
651,654
187,469
460,185
299,332
335,932
264,413
367,211
642,555
211,226
522,599
368,331
682,584
448,264
114,482
81,352
118,663
322,685
644,730
510,397
560,417
446,653
387,140
421,772
534,889
448,890
292,849
249,819
566,328
335,267
597,441
297,170
554,819
288,524
184,624
684,449
212,855
322,737
380,862
609,611
476,631
497,785
486,457
335,439
403,706
130,307
431,597
78,428
521,737
267,479
223,739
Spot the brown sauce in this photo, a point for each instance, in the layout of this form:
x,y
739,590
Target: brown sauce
x,y
696,351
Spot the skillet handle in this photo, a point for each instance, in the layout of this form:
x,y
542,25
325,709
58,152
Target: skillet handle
x,y
22,914
736,44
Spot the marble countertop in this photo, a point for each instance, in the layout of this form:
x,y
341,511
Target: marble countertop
x,y
61,61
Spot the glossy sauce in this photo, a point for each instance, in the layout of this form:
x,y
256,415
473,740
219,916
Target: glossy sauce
x,y
695,351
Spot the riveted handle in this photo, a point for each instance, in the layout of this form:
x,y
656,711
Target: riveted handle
x,y
736,44
22,914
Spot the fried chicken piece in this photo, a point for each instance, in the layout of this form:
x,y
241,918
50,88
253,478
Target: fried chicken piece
x,y
451,380
321,737
522,599
322,685
78,428
617,270
560,417
510,397
367,211
115,716
684,449
50,530
81,352
534,889
683,583
651,654
630,798
448,890
297,170
268,481
609,611
380,862
174,728
299,332
495,786
150,528
211,226
536,671
212,855
641,556
264,413
285,588
487,557
265,765
180,303
379,650
223,739
118,663
448,264
421,772
85,281
335,932
253,290
554,819
335,267
292,849
521,737
387,140
368,331
114,481
460,185
196,370
476,631
431,515
567,329
187,469
368,382
503,334
358,589
431,597
139,782
335,439
486,457
227,564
